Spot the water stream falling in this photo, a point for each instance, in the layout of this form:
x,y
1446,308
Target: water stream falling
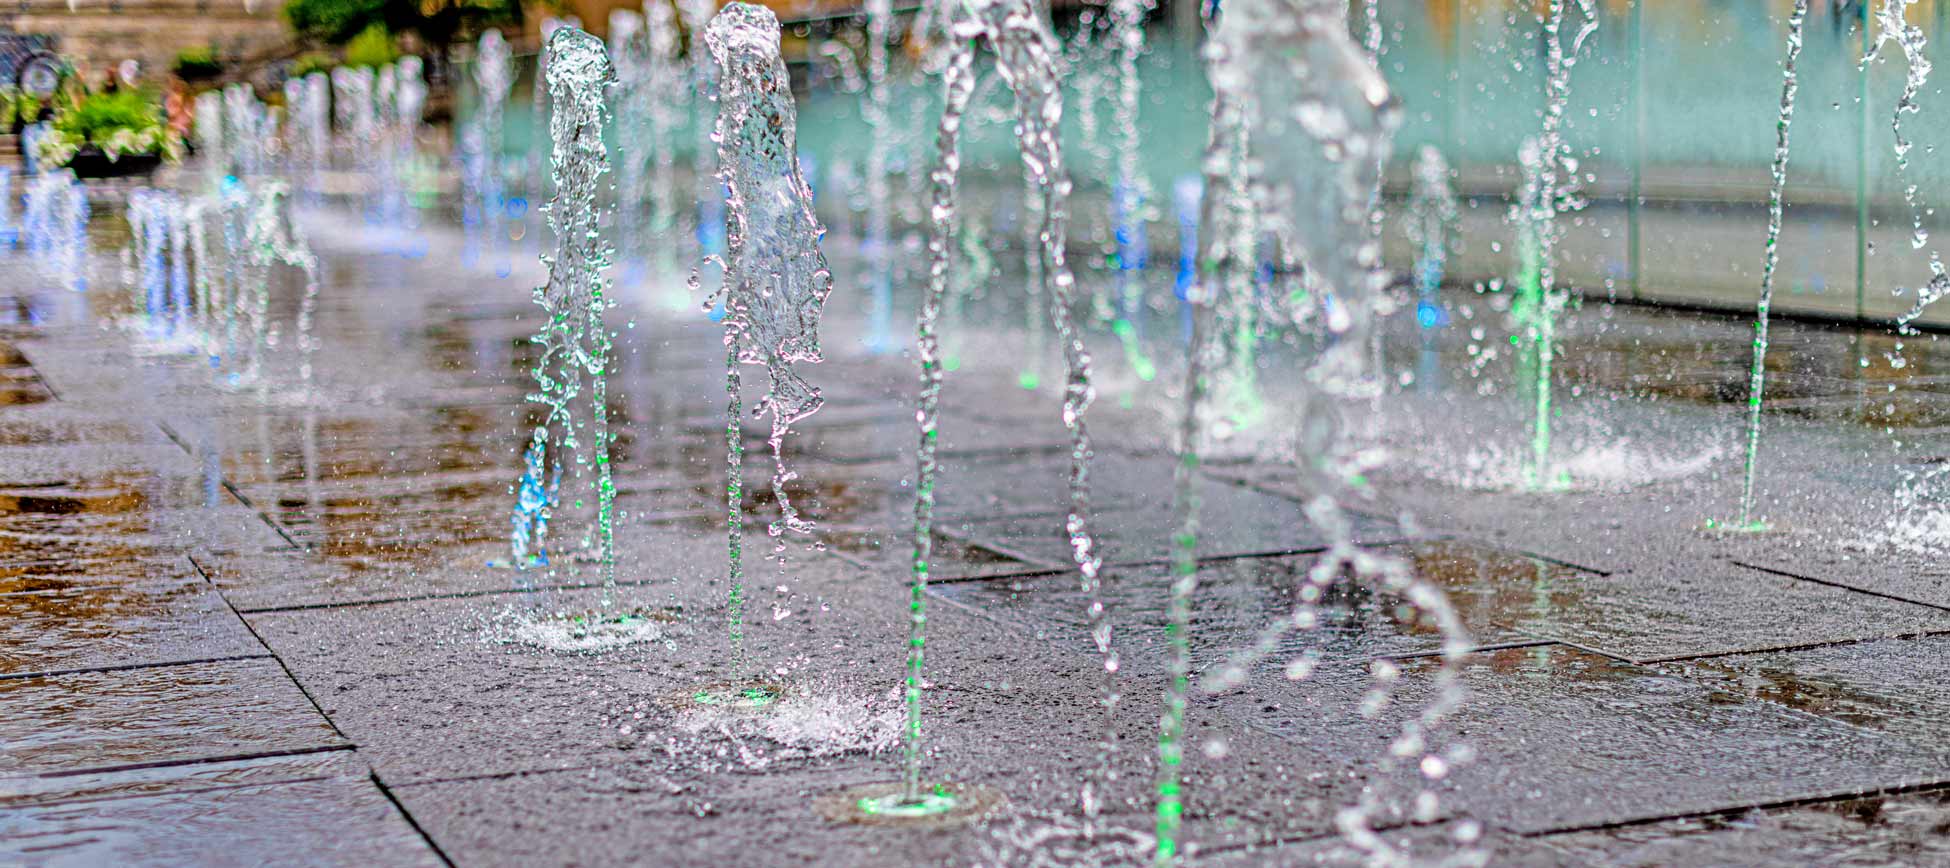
x,y
629,51
494,77
1323,120
880,14
145,265
1756,382
209,136
1131,193
272,238
1222,274
775,277
1918,521
1025,53
574,341
696,16
1555,192
1433,214
665,93
54,228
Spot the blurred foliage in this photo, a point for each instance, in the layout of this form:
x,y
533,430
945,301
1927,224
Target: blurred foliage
x,y
197,62
372,47
310,62
437,22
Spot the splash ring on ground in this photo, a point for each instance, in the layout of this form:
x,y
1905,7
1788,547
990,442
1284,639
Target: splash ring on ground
x,y
729,696
1717,527
590,633
882,805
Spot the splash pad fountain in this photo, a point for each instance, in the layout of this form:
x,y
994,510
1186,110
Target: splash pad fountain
x,y
1296,589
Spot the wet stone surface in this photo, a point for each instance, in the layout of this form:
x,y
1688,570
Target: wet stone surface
x,y
191,571
1901,829
1564,738
162,714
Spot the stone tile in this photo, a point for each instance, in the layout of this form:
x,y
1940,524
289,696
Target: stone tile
x,y
646,555
1894,829
186,712
1567,739
1239,598
331,821
1708,607
118,623
1888,686
1233,521
194,777
430,694
1423,844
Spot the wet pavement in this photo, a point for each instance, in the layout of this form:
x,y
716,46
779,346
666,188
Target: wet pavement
x,y
238,625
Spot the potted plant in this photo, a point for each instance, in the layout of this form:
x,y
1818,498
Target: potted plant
x,y
108,134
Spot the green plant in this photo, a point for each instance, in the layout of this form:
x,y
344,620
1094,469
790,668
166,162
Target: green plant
x,y
310,62
372,47
119,123
437,22
198,62
26,107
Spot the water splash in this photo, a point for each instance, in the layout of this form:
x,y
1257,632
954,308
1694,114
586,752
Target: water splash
x,y
703,89
664,95
879,116
776,280
574,341
1433,215
1757,378
1026,61
1550,189
1220,288
1298,77
494,76
54,226
271,239
629,52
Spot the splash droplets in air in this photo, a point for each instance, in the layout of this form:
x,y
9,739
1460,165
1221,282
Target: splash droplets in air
x,y
776,280
1326,119
574,342
1025,61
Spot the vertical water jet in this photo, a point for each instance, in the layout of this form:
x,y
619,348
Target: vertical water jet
x,y
1757,376
775,277
574,341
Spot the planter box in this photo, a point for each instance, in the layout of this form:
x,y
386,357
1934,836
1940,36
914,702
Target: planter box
x,y
92,163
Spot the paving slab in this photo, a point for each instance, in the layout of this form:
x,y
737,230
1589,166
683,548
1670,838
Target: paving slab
x,y
1708,607
131,622
333,821
1233,522
65,787
1237,599
1892,686
1564,738
1896,829
431,694
166,714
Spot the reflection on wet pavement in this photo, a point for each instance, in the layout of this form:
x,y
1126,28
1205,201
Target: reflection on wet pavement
x,y
104,719
125,558
1565,738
